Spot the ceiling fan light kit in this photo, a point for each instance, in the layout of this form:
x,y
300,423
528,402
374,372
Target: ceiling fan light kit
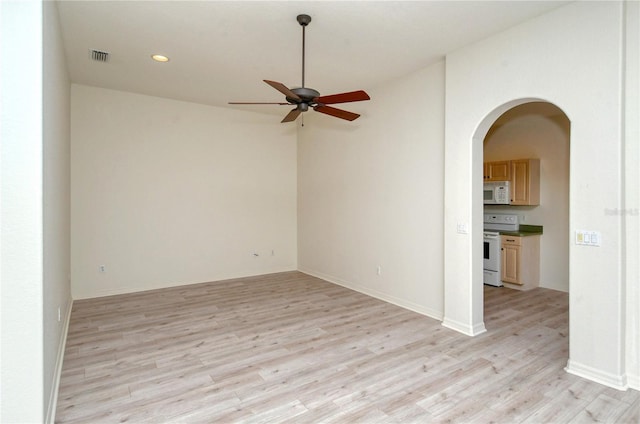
x,y
304,97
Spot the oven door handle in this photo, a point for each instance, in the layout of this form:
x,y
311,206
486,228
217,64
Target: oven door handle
x,y
492,236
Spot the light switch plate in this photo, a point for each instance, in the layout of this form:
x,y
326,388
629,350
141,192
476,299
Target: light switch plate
x,y
588,238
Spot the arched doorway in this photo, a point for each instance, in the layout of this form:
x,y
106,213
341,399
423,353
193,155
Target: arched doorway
x,y
540,130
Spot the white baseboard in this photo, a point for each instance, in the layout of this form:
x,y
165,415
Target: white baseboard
x,y
611,380
403,303
217,278
62,343
633,381
464,328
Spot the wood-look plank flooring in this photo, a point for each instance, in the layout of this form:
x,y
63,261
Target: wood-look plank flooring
x,y
289,347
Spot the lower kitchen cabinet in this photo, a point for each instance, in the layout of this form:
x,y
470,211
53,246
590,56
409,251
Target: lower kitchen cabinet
x,y
520,261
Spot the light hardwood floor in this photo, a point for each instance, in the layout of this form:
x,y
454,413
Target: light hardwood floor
x,y
290,347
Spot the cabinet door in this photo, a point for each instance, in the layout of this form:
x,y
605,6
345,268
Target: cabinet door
x,y
510,257
519,182
498,171
525,182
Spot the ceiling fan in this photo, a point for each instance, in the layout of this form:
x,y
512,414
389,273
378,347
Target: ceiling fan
x,y
303,98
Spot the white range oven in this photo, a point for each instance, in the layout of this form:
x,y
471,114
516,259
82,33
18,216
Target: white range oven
x,y
492,258
493,224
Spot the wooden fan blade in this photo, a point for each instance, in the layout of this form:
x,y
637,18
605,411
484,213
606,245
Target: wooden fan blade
x,y
283,89
352,96
338,113
257,103
291,116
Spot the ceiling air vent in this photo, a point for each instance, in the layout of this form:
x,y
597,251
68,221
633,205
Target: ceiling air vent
x,y
99,56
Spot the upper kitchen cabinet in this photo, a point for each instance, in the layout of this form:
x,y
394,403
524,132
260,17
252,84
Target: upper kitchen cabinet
x,y
525,182
497,171
523,176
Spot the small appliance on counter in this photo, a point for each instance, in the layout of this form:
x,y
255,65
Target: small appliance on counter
x,y
493,224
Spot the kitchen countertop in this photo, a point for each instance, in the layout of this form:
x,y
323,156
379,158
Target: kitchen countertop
x,y
524,231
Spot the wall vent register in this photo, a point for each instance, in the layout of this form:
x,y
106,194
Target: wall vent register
x,y
99,56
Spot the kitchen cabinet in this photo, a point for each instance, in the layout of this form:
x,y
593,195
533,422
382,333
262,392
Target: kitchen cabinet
x,y
497,171
520,261
525,182
523,176
510,258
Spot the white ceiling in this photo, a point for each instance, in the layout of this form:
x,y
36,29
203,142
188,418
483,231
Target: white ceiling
x,y
222,50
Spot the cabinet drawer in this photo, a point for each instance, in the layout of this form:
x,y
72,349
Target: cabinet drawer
x,y
511,240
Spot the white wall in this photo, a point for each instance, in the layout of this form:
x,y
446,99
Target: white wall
x,y
370,194
561,58
21,232
631,207
57,262
527,132
165,193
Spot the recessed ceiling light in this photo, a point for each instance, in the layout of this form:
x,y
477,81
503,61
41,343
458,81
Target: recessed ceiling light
x,y
159,58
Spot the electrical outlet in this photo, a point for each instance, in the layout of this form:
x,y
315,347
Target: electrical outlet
x,y
462,228
59,314
379,270
102,269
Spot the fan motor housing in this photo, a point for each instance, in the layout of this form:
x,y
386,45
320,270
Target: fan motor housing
x,y
306,94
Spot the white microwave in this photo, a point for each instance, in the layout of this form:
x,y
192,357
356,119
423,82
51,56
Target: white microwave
x,y
496,193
